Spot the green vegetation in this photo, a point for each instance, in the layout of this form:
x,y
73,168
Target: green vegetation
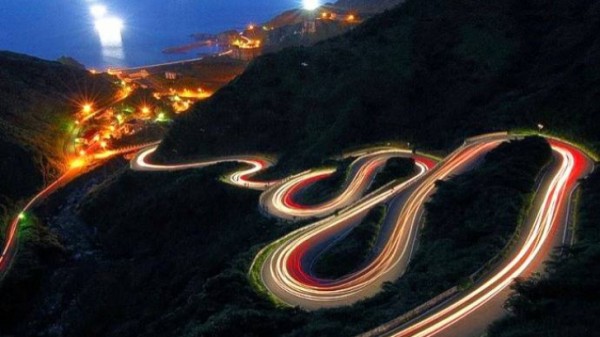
x,y
161,266
565,302
353,249
395,169
327,188
39,252
443,258
37,99
174,249
194,258
37,102
430,72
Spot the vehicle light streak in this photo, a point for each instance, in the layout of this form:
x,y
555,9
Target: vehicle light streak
x,y
284,269
543,229
280,201
240,178
76,166
285,275
10,243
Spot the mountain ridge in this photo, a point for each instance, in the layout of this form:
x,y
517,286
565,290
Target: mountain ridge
x,y
460,69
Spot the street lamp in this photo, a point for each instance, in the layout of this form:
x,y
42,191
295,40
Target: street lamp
x,y
540,127
87,108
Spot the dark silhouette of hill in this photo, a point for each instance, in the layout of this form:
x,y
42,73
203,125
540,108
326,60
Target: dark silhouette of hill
x,y
429,72
367,6
172,250
37,102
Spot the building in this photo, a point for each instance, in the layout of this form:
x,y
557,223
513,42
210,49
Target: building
x,y
169,75
140,74
309,27
245,54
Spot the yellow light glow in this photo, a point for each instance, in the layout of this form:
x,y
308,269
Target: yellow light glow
x,y
105,154
77,163
145,110
87,108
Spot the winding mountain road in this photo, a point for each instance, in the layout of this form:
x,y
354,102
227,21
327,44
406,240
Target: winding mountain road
x,y
284,265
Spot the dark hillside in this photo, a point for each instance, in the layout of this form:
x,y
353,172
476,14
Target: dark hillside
x,y
367,6
430,72
37,101
565,302
170,252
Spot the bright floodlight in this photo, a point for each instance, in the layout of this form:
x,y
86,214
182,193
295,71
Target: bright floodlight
x,y
109,29
98,11
310,4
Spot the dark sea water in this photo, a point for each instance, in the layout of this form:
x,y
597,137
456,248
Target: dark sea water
x,y
52,28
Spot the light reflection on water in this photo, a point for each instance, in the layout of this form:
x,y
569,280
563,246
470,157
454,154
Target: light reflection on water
x,y
109,30
53,28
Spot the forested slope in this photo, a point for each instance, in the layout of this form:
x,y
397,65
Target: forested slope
x,y
37,102
430,72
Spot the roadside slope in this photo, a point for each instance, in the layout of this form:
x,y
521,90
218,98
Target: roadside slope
x,y
430,72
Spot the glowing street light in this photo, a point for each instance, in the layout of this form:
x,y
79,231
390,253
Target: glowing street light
x,y
540,127
145,110
77,163
87,108
22,216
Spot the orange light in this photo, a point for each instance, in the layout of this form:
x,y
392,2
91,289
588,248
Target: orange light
x,y
87,108
103,144
82,153
145,110
351,17
105,154
77,163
